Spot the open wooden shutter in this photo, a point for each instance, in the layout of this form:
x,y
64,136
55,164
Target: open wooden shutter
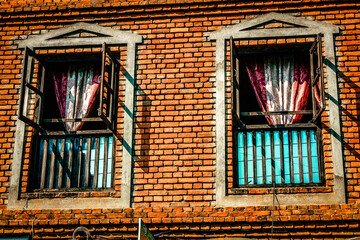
x,y
32,90
108,88
317,78
235,79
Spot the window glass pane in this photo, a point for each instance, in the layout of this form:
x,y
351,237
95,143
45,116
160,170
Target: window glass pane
x,y
250,157
286,156
277,155
92,162
305,158
314,157
83,165
296,157
268,157
109,162
101,162
259,166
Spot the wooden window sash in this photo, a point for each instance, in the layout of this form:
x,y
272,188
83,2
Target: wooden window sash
x,y
108,93
108,88
317,77
29,85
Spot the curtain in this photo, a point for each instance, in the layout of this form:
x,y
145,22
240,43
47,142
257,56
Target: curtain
x,y
76,88
281,83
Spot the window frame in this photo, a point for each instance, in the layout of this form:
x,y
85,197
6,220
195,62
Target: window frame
x,y
298,26
46,165
55,39
236,53
107,115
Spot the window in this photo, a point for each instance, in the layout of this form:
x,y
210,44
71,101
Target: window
x,y
277,99
229,118
70,101
75,44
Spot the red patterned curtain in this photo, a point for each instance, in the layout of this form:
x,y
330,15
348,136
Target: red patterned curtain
x,y
76,88
281,83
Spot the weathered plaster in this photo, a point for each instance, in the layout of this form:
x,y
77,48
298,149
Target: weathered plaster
x,y
220,184
302,27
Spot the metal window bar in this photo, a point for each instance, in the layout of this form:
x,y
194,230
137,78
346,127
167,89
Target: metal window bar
x,y
76,162
281,156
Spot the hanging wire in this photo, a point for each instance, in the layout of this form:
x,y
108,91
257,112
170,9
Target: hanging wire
x,y
273,209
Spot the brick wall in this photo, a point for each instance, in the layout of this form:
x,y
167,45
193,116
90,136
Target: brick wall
x,y
174,155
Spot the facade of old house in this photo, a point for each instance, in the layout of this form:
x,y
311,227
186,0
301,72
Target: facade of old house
x,y
205,119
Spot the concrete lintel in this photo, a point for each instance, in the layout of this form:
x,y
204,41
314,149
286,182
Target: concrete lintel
x,y
298,22
56,38
271,33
